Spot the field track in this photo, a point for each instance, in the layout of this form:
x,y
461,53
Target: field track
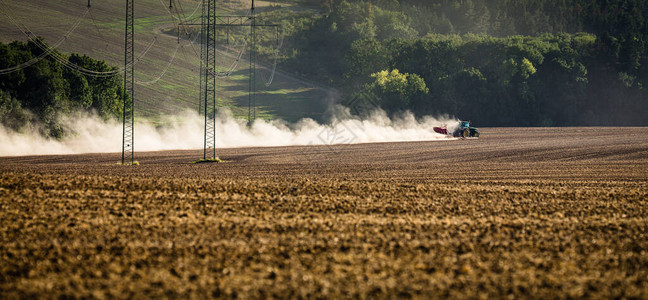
x,y
543,212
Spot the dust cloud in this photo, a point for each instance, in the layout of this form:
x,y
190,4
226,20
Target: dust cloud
x,y
185,131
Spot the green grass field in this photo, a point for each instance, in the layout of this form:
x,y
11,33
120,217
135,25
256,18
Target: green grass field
x,y
101,36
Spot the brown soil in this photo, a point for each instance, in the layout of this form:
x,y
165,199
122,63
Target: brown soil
x,y
551,213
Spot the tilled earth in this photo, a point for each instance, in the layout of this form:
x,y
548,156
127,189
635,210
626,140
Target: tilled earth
x,y
521,212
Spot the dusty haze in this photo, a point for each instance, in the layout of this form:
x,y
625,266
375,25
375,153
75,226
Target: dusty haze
x,y
185,131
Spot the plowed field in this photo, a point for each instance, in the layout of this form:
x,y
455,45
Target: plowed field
x,y
521,212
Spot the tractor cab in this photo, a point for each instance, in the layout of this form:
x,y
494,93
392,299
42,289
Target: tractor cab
x,y
466,131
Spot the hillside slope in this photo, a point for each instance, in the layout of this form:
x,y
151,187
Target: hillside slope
x,y
101,36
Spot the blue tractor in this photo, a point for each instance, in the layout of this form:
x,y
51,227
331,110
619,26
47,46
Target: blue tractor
x,y
465,131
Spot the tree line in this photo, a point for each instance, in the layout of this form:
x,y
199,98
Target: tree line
x,y
38,95
497,62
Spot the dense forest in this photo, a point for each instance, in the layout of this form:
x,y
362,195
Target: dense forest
x,y
497,62
36,96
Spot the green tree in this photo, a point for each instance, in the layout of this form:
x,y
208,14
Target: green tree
x,y
12,115
49,90
396,91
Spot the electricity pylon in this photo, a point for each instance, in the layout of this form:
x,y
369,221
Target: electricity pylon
x,y
208,49
252,78
128,149
208,74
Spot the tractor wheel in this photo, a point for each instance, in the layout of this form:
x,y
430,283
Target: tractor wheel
x,y
476,134
465,133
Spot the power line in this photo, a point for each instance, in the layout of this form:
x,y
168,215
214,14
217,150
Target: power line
x,y
268,82
235,63
45,53
94,23
63,60
199,5
178,46
180,17
163,72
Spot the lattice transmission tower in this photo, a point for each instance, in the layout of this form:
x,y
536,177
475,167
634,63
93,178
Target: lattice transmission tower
x,y
209,22
128,137
208,50
252,78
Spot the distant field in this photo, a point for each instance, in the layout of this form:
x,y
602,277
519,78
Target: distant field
x,y
521,212
101,36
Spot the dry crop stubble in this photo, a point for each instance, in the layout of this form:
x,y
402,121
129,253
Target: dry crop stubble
x,y
548,213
